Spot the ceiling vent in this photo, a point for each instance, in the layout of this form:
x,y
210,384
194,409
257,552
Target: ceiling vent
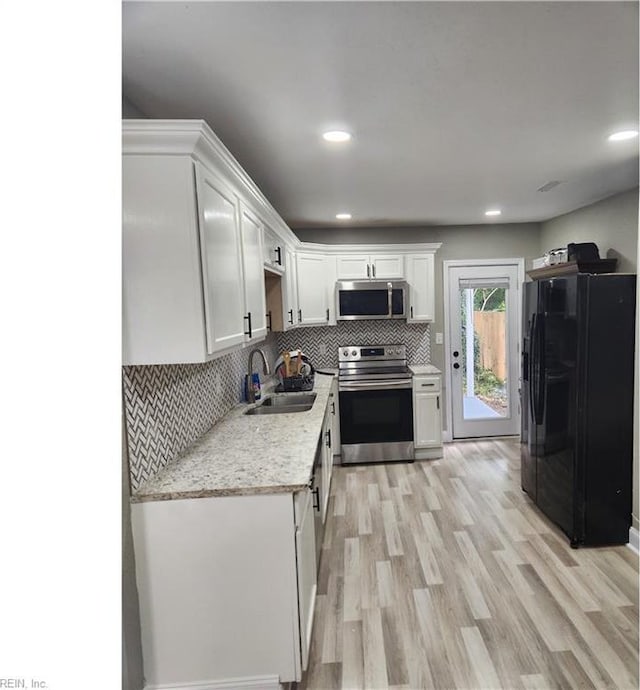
x,y
549,185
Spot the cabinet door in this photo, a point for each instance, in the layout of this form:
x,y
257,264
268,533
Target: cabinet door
x,y
255,316
327,459
291,291
353,266
272,250
221,262
307,582
387,266
312,289
427,420
420,276
335,414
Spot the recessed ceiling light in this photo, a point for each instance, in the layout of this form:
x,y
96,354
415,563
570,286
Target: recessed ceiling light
x,y
493,212
343,216
622,136
336,136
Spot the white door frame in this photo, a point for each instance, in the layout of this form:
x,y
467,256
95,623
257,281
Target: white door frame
x,y
457,263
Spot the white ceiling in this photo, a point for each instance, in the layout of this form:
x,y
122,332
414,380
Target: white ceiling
x,y
455,107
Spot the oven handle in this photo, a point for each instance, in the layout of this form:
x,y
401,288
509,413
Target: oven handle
x,y
390,298
377,385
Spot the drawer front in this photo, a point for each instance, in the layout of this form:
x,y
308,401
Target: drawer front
x,y
426,384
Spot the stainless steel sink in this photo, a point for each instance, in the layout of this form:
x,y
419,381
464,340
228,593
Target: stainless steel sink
x,y
286,399
284,403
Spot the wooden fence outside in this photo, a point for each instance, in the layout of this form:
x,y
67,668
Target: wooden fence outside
x,y
490,329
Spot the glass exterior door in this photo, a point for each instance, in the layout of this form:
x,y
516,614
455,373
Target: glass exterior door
x,y
484,350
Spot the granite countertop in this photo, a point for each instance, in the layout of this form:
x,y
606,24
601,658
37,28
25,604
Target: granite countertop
x,y
419,369
245,454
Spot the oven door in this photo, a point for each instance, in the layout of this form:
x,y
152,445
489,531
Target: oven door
x,y
376,421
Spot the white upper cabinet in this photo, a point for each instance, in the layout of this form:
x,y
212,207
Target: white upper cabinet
x,y
369,266
273,251
420,276
290,306
255,316
313,289
193,261
181,262
221,262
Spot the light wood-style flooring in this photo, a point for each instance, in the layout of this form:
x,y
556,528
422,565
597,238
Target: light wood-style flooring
x,y
442,574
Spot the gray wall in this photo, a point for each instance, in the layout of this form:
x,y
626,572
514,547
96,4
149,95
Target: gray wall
x,y
495,241
129,110
611,223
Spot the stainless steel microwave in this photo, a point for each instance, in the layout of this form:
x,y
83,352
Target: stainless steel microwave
x,y
371,299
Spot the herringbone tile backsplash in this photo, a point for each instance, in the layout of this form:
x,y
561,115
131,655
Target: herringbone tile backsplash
x,y
378,332
168,407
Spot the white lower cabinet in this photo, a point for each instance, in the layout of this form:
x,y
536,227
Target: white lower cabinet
x,y
227,589
306,570
427,416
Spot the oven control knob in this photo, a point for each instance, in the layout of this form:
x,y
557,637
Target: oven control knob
x,y
398,351
353,353
345,353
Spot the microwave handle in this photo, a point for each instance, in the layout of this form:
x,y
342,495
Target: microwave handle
x,y
389,298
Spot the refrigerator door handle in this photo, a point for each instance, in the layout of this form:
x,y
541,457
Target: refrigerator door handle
x,y
540,382
532,369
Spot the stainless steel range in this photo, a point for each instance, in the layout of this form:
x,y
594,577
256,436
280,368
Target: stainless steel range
x,y
376,404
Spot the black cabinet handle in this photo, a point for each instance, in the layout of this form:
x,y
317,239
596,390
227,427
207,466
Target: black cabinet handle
x,y
291,316
327,314
411,312
455,353
269,321
368,271
438,401
456,366
279,254
299,315
333,408
247,318
316,497
327,438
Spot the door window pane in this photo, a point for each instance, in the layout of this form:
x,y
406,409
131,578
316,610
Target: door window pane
x,y
483,357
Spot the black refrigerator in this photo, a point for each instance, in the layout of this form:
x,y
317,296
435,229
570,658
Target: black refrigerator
x,y
577,403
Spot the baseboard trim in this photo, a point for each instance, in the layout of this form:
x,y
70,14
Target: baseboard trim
x,y
634,540
446,437
247,683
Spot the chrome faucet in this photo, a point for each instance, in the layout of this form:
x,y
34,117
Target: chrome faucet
x,y
251,396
